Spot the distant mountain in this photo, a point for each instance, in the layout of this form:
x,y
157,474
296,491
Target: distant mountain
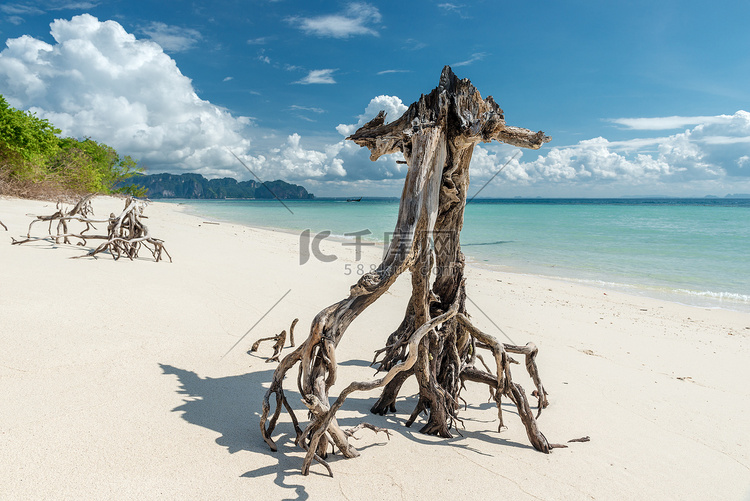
x,y
196,186
738,195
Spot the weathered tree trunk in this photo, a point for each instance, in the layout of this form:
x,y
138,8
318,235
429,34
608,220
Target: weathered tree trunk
x,y
436,341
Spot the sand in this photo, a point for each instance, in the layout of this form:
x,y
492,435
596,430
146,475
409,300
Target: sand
x,y
118,379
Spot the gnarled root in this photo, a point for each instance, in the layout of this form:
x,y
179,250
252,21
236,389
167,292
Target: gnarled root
x,y
126,233
278,345
435,342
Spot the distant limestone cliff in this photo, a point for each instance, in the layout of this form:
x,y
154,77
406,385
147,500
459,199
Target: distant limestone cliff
x,y
196,186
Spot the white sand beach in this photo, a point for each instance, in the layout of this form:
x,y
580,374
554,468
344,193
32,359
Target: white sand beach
x,y
118,379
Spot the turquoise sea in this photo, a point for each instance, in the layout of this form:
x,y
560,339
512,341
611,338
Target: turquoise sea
x,y
692,251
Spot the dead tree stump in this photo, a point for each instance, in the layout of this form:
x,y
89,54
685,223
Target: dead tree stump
x,y
436,341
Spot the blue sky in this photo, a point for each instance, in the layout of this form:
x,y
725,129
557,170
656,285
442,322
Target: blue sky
x,y
640,98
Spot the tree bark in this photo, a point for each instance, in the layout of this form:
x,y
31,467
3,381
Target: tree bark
x,y
435,341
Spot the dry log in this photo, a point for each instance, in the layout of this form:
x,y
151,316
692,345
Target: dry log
x,y
436,341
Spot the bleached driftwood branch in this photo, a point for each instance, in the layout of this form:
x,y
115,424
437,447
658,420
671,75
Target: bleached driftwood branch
x,y
126,233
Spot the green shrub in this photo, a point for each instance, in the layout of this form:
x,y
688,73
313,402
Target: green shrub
x,y
31,153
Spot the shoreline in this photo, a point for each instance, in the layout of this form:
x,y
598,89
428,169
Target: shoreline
x,y
697,298
120,379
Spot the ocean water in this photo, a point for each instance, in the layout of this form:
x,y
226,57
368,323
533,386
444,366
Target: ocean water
x,y
693,251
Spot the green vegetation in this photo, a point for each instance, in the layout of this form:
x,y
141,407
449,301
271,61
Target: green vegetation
x,y
36,163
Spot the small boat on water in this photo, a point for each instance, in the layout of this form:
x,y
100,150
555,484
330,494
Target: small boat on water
x,y
354,199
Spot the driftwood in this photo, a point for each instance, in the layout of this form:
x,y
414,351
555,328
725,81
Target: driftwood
x,y
126,233
5,227
278,345
436,342
79,212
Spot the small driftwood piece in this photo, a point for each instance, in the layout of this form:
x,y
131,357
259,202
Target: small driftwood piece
x,y
80,212
278,345
126,233
436,342
6,229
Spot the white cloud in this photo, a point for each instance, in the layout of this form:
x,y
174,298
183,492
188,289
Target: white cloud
x,y
318,77
456,9
387,72
20,9
413,45
307,108
712,154
477,56
356,19
98,80
172,38
292,161
76,6
392,105
343,163
666,123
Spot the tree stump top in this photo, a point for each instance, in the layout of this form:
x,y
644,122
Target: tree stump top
x,y
457,106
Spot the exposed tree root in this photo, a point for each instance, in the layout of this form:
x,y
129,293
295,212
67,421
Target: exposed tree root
x,y
351,431
278,345
436,342
582,439
126,233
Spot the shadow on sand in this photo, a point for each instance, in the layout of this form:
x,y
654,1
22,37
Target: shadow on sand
x,y
231,407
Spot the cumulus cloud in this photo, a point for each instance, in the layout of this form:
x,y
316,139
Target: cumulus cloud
x,y
714,153
318,77
98,80
392,105
356,19
293,161
172,38
342,162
